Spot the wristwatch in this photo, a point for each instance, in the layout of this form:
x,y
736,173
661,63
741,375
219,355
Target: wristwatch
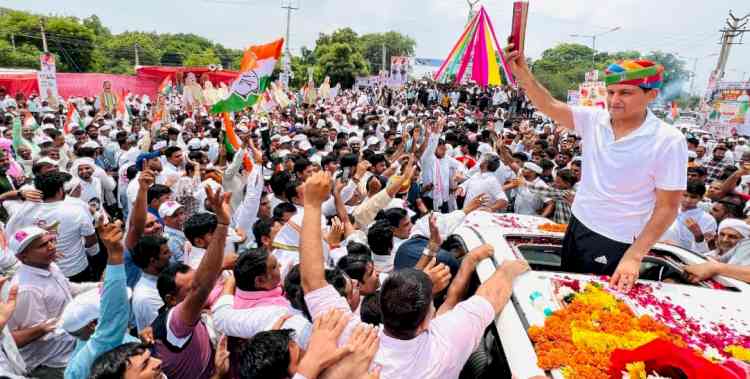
x,y
428,253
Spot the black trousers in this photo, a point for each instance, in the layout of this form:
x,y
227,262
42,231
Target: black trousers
x,y
84,276
586,252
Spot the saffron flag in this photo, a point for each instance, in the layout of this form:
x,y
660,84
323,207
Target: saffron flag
x,y
255,75
72,119
232,142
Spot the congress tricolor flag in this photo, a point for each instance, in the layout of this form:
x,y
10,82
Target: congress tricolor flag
x,y
255,75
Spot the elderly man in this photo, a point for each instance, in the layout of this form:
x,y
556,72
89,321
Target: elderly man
x,y
43,293
526,201
107,100
634,171
487,183
731,257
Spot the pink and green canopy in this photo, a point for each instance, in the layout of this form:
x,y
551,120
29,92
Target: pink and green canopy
x,y
478,45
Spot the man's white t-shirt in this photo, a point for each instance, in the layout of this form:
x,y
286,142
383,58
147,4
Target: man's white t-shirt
x,y
617,192
75,223
484,183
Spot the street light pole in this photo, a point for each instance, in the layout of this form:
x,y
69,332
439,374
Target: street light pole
x,y
695,68
287,63
593,41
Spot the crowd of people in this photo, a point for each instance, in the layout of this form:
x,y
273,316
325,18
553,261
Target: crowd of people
x,y
149,246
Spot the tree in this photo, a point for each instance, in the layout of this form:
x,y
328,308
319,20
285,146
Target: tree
x,y
24,56
203,58
563,67
340,61
675,74
67,37
94,24
396,44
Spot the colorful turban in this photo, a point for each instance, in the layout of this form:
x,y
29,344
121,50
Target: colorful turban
x,y
642,73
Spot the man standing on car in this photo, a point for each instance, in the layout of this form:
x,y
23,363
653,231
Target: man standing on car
x,y
634,170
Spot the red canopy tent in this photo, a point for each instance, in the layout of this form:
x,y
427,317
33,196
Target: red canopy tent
x,y
145,82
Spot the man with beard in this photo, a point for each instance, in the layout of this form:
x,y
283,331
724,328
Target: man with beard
x,y
91,187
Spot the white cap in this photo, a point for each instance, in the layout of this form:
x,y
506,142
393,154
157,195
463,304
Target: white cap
x,y
48,160
40,140
91,144
692,154
276,137
355,140
299,138
194,144
372,140
24,237
304,145
83,309
168,208
533,167
285,139
48,126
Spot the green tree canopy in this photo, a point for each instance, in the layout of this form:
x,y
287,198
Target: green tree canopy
x,y
564,67
88,45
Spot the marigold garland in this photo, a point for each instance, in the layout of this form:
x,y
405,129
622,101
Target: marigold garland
x,y
553,228
580,337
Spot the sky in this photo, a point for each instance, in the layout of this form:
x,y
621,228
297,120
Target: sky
x,y
689,28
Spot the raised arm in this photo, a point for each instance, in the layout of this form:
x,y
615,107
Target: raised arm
x,y
731,183
138,215
115,307
539,96
460,284
317,188
498,288
210,267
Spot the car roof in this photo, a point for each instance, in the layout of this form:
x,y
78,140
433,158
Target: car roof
x,y
705,306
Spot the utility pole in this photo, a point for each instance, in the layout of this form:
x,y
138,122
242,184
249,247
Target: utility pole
x,y
593,41
730,35
44,36
137,61
383,61
287,62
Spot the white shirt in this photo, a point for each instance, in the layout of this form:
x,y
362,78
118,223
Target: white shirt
x,y
168,169
619,178
438,352
247,213
246,323
526,202
678,232
75,223
91,190
484,183
438,172
146,301
43,295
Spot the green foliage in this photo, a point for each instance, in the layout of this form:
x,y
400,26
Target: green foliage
x,y
343,55
203,58
342,62
88,45
395,44
564,67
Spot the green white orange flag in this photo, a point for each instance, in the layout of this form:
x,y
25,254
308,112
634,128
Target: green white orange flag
x,y
232,142
255,75
72,119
